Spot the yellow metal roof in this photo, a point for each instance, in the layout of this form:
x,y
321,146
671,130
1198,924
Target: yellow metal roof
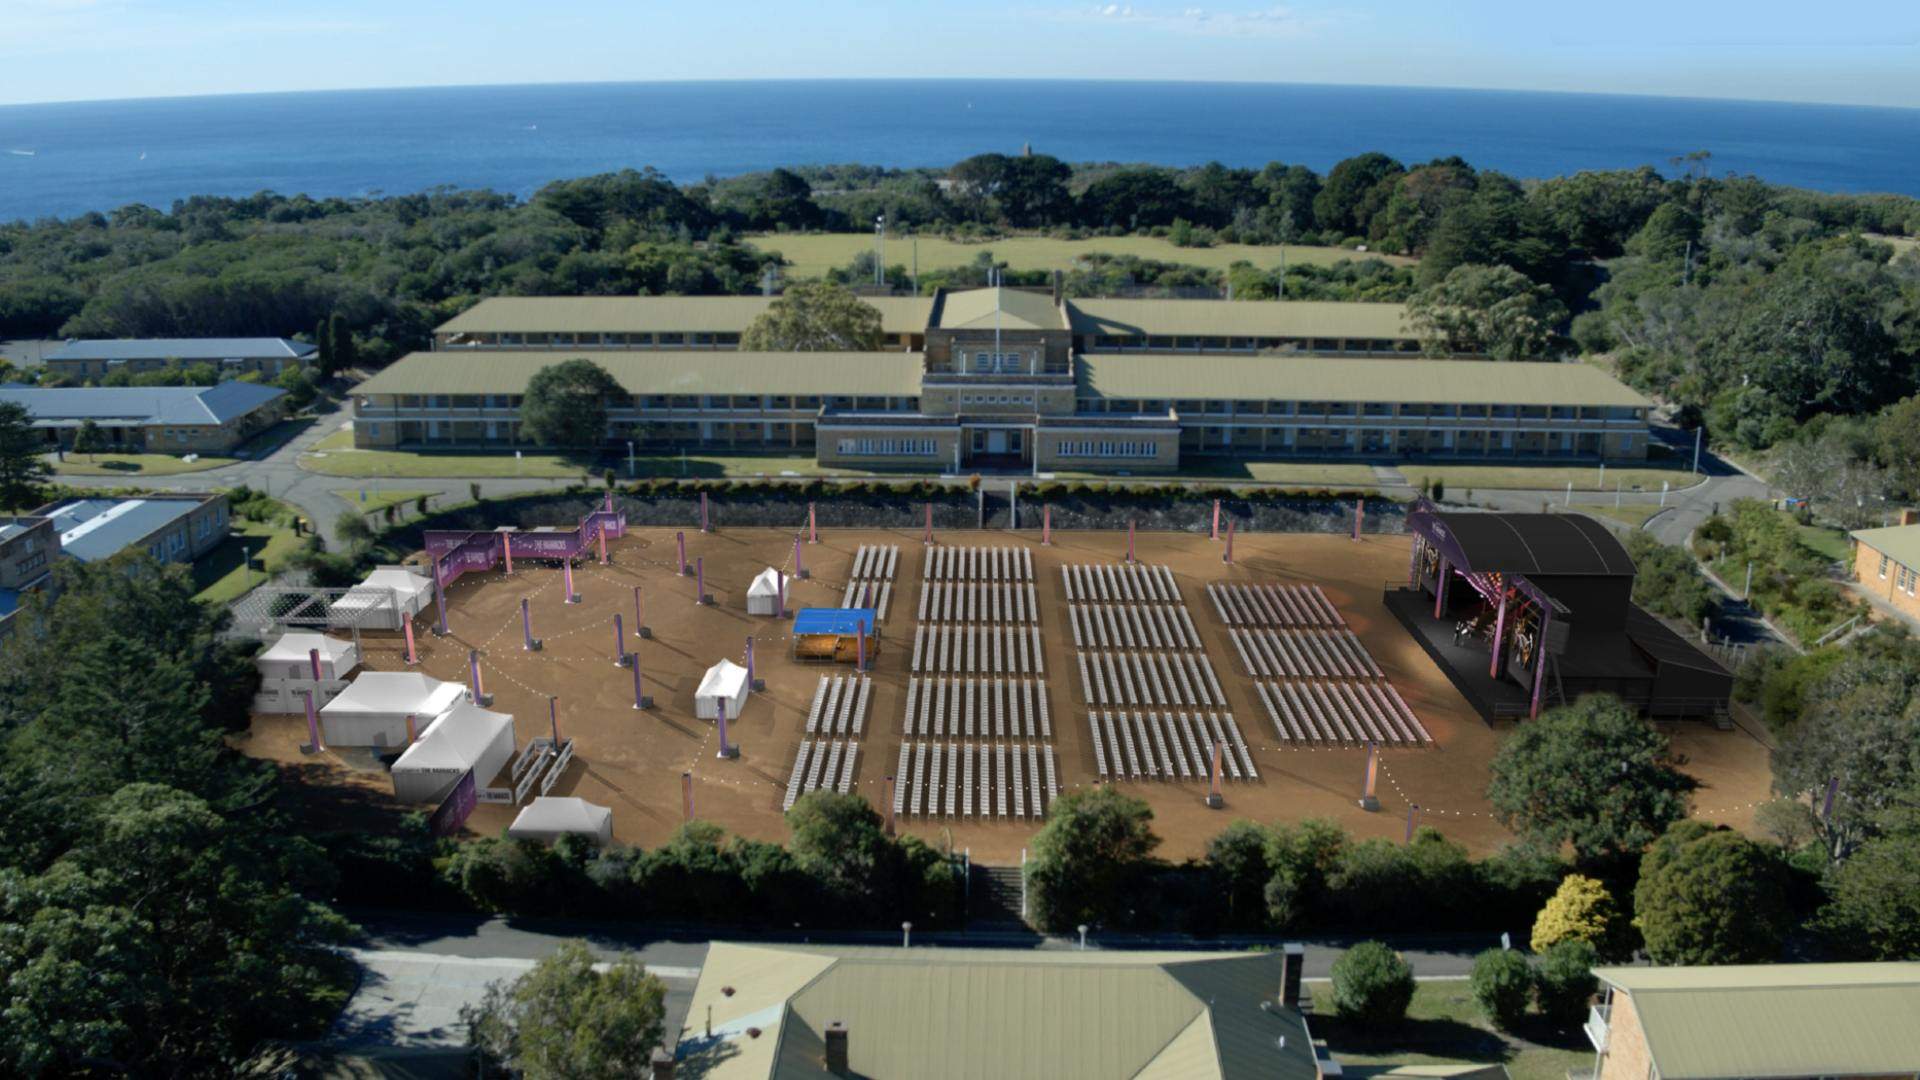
x,y
1309,378
1899,542
993,1014
1777,1020
652,314
1013,309
1241,318
658,371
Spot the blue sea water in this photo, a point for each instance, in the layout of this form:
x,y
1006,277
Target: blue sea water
x,y
63,159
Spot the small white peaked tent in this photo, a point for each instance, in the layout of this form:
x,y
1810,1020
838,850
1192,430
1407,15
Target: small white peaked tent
x,y
373,711
288,658
764,592
549,817
465,738
725,681
370,604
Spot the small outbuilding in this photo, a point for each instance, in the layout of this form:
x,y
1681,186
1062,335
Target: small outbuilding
x,y
833,634
286,671
373,709
466,738
726,682
764,592
549,817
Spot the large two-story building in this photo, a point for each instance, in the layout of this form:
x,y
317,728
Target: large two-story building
x,y
1003,378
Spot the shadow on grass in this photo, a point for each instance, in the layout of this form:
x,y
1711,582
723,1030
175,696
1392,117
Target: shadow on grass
x,y
273,438
1443,1038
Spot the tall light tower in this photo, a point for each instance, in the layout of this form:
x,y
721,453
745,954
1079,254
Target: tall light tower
x,y
880,249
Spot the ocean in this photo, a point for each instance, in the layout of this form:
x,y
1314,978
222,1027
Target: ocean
x,y
66,159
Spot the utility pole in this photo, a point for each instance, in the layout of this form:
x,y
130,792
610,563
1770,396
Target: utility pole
x,y
880,249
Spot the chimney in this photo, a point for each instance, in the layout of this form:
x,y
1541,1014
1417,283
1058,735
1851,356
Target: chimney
x,y
662,1063
1293,957
1059,286
837,1049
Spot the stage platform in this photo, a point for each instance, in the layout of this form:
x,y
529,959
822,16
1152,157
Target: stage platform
x,y
1464,665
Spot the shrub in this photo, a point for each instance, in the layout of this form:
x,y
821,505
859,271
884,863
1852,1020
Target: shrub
x,y
1564,982
1372,985
1708,895
1580,910
1502,982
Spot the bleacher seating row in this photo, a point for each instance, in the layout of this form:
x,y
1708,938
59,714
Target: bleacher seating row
x,y
1341,713
877,595
979,602
839,705
1152,745
821,763
1137,679
977,650
875,562
1304,654
1132,626
1273,605
1126,583
966,779
978,564
988,708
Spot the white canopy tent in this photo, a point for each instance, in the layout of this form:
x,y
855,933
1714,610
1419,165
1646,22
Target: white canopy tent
x,y
465,738
287,658
725,681
763,592
549,817
373,710
372,603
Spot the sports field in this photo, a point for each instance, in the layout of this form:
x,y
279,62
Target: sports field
x,y
813,254
633,761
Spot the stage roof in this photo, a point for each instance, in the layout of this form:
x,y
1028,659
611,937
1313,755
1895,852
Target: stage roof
x,y
1570,545
833,620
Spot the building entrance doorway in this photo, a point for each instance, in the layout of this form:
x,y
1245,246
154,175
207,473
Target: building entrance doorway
x,y
998,448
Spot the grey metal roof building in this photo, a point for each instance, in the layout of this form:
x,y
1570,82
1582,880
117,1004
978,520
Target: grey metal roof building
x,y
171,527
142,405
186,350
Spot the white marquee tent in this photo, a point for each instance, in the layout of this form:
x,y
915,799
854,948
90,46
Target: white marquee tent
x,y
373,710
370,604
549,817
725,681
287,658
763,592
464,738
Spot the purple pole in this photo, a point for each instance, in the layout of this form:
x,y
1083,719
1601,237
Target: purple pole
x,y
1216,520
780,596
313,724
406,624
553,717
1412,813
473,672
704,523
725,750
681,539
526,626
1540,664
1440,591
1228,556
1499,635
639,699
686,792
798,567
700,580
313,659
601,537
619,640
813,529
860,628
749,663
440,595
639,620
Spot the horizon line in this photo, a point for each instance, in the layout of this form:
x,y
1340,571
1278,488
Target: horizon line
x,y
558,83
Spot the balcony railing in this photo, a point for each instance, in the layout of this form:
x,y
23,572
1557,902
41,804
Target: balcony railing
x,y
1597,1026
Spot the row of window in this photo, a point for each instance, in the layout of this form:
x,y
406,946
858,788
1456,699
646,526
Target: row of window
x,y
889,447
1904,579
1371,408
1105,448
988,363
996,399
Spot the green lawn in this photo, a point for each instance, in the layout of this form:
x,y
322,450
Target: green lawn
x,y
220,575
134,465
335,456
1827,542
1459,478
378,499
813,254
1445,1027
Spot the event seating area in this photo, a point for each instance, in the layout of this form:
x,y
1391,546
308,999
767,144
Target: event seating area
x,y
870,585
985,708
984,780
1167,746
839,709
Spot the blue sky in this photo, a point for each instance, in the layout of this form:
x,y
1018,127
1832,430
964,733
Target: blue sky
x,y
1860,52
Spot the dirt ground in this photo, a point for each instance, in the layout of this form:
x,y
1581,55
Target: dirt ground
x,y
633,761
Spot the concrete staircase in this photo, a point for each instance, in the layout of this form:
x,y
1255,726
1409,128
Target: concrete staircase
x,y
994,898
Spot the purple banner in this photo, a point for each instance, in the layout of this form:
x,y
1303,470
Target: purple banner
x,y
465,552
456,807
